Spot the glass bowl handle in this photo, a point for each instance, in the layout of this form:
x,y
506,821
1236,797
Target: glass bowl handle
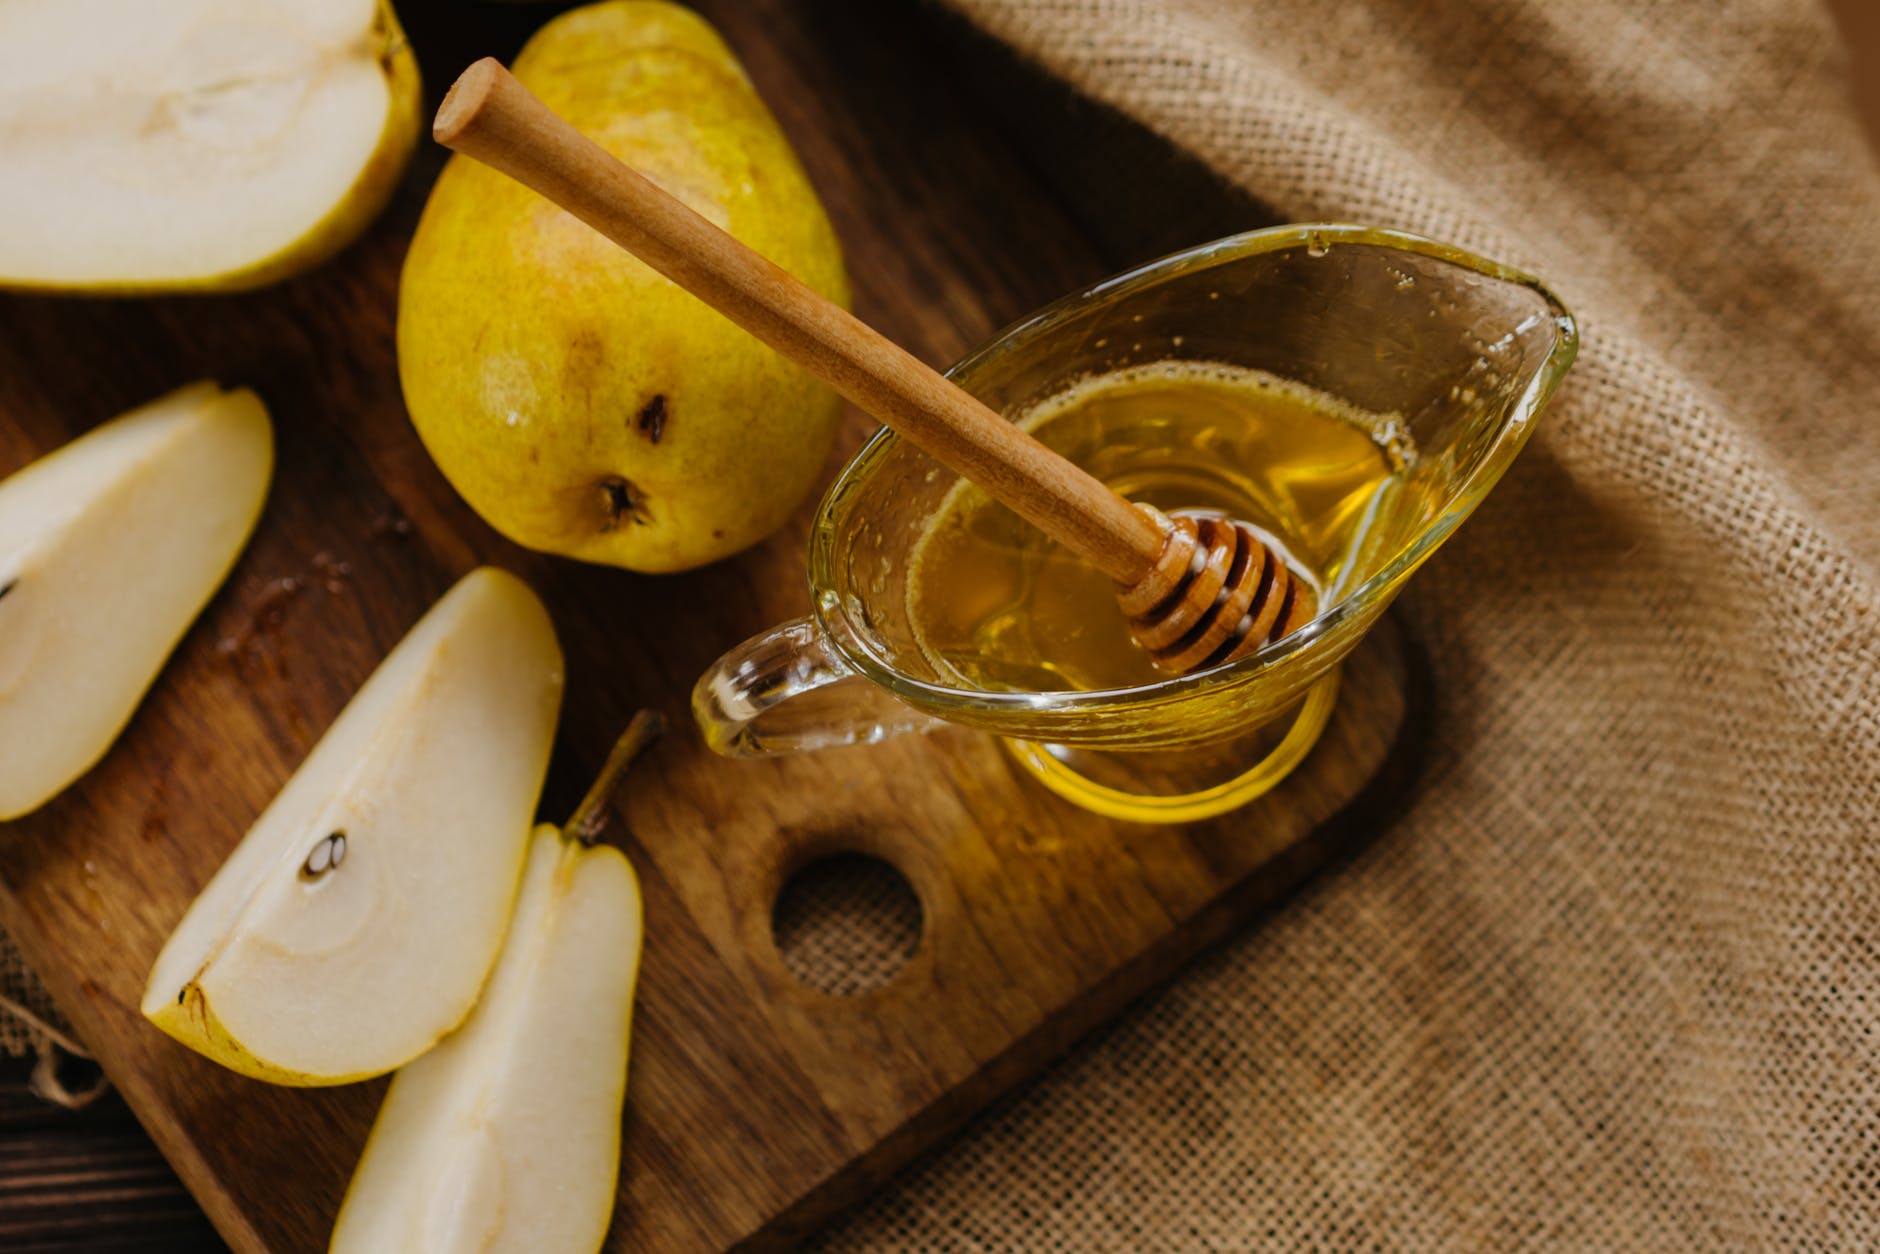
x,y
787,691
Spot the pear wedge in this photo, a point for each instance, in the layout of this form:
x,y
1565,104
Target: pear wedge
x,y
109,548
354,924
506,1137
195,144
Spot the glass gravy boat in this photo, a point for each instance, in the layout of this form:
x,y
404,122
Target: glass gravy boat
x,y
1463,352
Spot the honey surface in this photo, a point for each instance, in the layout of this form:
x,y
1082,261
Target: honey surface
x,y
998,605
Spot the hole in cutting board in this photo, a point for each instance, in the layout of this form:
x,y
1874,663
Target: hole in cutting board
x,y
847,923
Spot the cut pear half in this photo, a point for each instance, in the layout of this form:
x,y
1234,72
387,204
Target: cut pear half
x,y
109,548
354,924
161,144
506,1137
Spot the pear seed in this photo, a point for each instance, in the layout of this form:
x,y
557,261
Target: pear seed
x,y
326,855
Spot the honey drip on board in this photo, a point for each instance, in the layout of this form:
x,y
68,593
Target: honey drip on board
x,y
997,605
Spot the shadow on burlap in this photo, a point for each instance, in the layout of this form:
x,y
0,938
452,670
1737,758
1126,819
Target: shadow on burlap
x,y
1614,983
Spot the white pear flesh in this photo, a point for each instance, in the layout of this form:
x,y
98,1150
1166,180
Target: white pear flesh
x,y
152,144
109,549
506,1137
308,961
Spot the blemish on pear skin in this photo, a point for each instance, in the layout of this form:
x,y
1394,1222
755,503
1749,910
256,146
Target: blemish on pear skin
x,y
7,587
583,365
623,503
652,418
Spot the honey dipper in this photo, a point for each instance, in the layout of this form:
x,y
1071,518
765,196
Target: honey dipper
x,y
1196,590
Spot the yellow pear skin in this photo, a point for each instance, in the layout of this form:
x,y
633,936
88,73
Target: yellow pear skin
x,y
580,402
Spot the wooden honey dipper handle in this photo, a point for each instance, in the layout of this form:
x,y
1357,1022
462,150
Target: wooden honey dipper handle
x,y
495,119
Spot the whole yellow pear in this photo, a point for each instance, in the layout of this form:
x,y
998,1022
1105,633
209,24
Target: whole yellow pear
x,y
580,402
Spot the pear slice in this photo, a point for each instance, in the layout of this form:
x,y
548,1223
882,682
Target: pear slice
x,y
215,144
506,1137
355,922
109,548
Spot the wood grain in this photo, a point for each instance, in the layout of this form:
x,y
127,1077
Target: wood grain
x,y
90,1180
756,1105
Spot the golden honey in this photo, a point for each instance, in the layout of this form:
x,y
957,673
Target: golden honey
x,y
995,604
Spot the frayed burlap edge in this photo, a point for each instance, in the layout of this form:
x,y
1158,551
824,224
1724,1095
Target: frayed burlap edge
x,y
31,1027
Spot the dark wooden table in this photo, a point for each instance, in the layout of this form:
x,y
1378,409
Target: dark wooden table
x,y
1005,191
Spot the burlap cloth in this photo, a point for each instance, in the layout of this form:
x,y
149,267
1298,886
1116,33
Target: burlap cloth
x,y
1615,981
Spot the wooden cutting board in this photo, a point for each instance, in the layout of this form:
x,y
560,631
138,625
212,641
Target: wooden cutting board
x,y
756,1104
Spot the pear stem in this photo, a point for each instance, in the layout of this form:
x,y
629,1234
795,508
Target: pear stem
x,y
590,817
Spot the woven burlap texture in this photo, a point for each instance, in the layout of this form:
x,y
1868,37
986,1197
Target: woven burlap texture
x,y
25,1006
1615,981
